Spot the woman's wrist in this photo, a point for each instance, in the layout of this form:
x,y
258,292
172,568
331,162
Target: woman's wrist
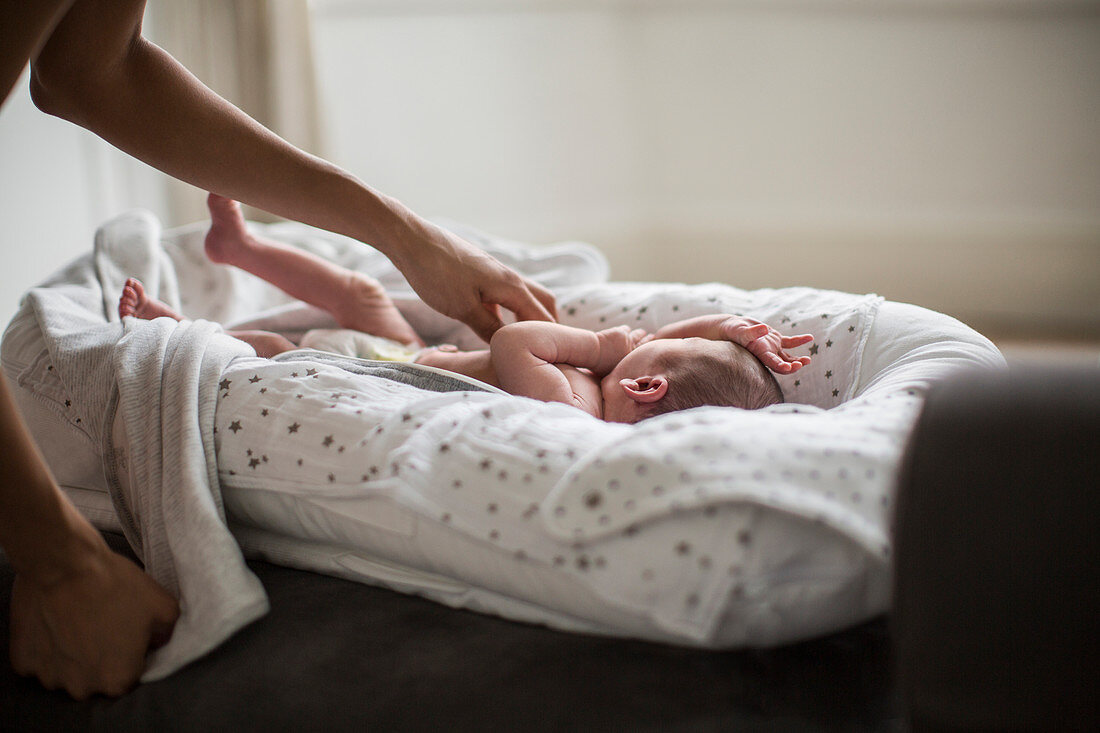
x,y
371,217
63,543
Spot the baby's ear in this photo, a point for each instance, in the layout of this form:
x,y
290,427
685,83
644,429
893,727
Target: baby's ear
x,y
644,390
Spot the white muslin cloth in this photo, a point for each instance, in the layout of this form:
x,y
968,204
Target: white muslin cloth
x,y
162,377
711,527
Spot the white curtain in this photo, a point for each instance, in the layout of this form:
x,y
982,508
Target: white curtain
x,y
257,54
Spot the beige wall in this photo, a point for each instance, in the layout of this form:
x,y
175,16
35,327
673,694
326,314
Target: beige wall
x,y
941,153
58,182
944,153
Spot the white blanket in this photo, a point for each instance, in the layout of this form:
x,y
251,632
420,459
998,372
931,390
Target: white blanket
x,y
603,496
161,379
162,376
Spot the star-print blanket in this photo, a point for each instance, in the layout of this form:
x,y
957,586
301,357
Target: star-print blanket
x,y
714,527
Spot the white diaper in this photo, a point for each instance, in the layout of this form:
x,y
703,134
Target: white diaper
x,y
348,342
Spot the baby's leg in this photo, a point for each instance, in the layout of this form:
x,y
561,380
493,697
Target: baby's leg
x,y
355,300
136,302
476,364
266,343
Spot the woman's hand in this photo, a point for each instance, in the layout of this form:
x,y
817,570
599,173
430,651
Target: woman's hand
x,y
87,631
463,282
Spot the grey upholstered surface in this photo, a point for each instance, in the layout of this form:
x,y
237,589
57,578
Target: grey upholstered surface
x,y
336,655
998,554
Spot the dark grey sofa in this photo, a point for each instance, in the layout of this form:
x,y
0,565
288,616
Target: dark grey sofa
x,y
337,655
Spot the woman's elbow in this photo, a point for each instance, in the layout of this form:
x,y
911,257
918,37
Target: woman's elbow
x,y
47,96
67,88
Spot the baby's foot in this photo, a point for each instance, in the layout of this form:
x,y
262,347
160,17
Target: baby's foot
x,y
134,302
368,308
228,234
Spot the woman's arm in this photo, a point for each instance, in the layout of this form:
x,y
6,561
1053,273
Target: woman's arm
x,y
24,28
98,71
82,617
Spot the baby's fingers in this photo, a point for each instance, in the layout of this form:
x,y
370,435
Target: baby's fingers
x,y
796,363
742,333
789,342
777,360
793,366
772,361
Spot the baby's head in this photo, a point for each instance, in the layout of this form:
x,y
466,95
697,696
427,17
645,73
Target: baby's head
x,y
667,375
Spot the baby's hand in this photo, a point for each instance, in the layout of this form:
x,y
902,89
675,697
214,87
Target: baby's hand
x,y
615,343
765,343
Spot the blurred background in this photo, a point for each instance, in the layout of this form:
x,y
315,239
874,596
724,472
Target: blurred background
x,y
940,153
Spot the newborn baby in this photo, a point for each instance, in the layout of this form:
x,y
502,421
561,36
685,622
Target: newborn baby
x,y
617,374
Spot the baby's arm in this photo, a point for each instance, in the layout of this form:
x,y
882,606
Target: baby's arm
x,y
764,342
540,360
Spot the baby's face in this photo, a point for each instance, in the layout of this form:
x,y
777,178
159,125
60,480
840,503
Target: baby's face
x,y
647,360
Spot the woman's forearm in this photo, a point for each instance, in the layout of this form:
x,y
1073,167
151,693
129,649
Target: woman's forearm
x,y
163,115
96,70
36,521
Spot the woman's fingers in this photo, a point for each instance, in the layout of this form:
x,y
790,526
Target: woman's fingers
x,y
483,322
545,297
527,300
468,284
